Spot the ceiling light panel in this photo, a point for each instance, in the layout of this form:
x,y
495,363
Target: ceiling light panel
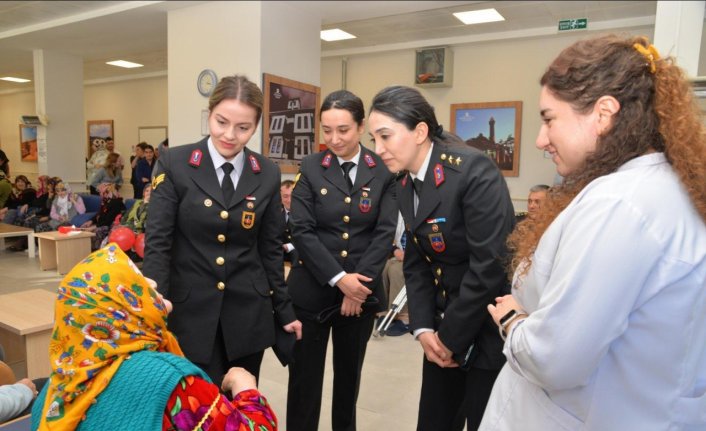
x,y
479,16
13,79
335,34
123,63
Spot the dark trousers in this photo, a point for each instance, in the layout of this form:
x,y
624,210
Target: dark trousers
x,y
306,375
451,396
220,364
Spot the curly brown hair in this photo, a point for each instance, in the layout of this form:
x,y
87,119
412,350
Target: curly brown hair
x,y
657,113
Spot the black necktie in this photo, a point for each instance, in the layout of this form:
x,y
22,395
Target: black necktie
x,y
347,166
417,191
418,186
227,183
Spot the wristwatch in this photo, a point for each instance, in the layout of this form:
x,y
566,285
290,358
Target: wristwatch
x,y
507,319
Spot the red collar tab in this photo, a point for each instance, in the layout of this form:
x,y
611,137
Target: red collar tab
x,y
404,180
369,160
439,174
326,162
195,159
254,164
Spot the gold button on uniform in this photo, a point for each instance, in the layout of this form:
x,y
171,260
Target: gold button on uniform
x,y
272,292
347,199
221,238
438,271
344,253
220,261
221,285
346,219
416,241
224,214
345,235
427,258
208,202
443,157
436,282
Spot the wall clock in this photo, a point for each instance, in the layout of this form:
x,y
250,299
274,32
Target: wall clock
x,y
206,82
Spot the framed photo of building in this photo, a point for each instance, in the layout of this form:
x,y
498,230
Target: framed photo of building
x,y
28,143
97,131
290,129
493,128
433,67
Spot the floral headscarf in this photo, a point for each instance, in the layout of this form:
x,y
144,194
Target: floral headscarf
x,y
105,311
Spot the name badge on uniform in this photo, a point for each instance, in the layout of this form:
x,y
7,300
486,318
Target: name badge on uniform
x,y
365,203
248,219
437,242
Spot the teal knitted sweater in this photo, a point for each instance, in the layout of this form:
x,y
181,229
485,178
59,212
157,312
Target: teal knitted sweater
x,y
136,396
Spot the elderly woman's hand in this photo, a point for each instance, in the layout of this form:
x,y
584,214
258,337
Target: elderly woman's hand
x,y
238,380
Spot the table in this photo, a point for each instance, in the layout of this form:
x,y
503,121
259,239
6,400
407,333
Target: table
x,y
62,251
26,323
8,231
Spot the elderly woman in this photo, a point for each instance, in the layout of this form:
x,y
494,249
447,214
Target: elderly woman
x,y
116,365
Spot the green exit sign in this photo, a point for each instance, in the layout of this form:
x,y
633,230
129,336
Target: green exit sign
x,y
573,24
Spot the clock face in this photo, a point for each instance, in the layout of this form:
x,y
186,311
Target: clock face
x,y
206,82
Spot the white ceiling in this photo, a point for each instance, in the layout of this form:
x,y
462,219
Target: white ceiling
x,y
99,31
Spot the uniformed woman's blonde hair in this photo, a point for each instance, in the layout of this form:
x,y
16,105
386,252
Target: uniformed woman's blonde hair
x,y
238,87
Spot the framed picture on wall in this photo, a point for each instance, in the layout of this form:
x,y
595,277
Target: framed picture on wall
x,y
97,131
433,67
493,128
290,128
28,143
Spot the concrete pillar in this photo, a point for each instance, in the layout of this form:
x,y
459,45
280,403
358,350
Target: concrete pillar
x,y
236,37
58,93
678,28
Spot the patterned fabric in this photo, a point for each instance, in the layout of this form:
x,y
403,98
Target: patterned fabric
x,y
105,310
193,402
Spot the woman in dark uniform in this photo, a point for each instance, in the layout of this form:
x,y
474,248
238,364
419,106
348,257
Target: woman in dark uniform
x,y
343,222
214,244
457,213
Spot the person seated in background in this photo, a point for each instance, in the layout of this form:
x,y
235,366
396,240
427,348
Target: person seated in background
x,y
28,215
111,207
66,205
21,196
15,398
537,195
116,366
134,218
393,281
110,172
285,191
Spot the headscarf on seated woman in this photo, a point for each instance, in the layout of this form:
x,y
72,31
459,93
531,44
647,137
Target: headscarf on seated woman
x,y
105,311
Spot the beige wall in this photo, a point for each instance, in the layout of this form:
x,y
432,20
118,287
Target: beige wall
x,y
130,104
495,71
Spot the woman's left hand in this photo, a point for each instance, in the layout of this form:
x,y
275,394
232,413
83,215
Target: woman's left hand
x,y
503,304
295,327
350,307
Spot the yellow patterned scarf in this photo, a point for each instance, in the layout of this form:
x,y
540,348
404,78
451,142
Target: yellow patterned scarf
x,y
105,311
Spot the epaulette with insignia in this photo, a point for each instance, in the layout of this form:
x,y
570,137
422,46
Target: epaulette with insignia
x,y
451,160
326,162
296,179
157,180
254,164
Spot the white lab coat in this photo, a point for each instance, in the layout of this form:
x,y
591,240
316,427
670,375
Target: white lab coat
x,y
616,336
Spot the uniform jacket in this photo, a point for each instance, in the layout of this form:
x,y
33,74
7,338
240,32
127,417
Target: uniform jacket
x,y
216,260
455,256
334,230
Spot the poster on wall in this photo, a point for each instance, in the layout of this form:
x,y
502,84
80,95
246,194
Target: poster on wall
x,y
28,143
97,131
494,128
290,121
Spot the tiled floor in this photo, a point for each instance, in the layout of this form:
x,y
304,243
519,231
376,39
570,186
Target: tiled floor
x,y
389,390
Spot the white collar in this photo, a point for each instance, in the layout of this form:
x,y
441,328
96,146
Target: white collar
x,y
423,169
355,159
218,160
